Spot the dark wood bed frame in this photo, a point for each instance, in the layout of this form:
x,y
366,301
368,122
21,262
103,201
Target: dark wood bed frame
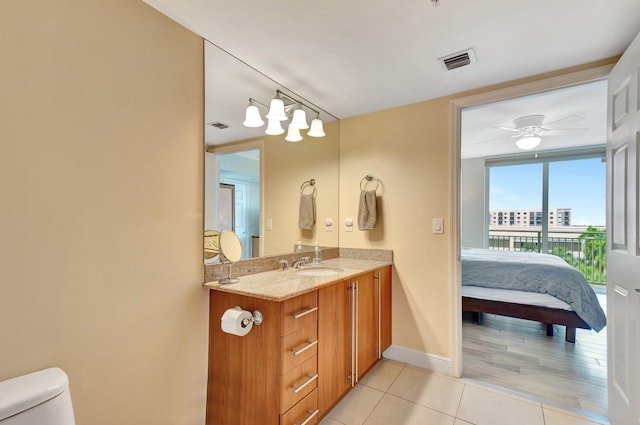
x,y
546,315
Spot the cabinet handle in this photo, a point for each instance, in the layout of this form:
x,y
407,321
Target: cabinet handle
x,y
306,421
379,317
353,334
357,326
309,345
296,390
304,313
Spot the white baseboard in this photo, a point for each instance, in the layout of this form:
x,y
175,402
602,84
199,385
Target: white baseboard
x,y
419,359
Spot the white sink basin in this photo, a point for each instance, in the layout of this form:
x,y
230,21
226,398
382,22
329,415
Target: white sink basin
x,y
318,271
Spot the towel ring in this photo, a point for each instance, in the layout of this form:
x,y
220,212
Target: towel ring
x,y
311,183
366,180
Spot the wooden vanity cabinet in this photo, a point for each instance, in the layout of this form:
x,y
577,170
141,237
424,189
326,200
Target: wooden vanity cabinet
x,y
270,375
334,351
307,354
354,329
383,308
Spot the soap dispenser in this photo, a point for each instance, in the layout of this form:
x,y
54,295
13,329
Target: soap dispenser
x,y
316,258
298,247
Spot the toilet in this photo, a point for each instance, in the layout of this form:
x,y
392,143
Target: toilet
x,y
39,398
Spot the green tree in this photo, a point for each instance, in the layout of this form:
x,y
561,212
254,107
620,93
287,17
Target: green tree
x,y
594,247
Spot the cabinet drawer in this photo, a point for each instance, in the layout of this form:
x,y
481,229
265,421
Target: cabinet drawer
x,y
299,312
299,347
306,410
297,383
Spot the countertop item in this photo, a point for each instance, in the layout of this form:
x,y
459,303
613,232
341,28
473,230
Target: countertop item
x,y
279,285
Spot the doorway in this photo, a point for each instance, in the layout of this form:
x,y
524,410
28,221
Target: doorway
x,y
479,220
233,194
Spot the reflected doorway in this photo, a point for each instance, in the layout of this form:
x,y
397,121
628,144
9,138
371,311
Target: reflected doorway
x,y
232,195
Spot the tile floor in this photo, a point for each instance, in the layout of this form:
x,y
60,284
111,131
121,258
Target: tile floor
x,y
393,393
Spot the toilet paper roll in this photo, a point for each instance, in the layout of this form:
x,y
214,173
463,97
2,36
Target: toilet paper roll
x,y
231,321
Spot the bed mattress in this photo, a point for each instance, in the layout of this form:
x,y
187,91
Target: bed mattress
x,y
514,296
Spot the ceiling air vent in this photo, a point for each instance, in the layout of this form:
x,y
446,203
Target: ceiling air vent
x,y
458,59
218,125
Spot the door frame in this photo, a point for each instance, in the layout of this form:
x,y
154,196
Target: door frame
x,y
218,150
543,85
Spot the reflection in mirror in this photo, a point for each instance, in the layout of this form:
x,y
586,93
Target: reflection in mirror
x,y
252,180
230,252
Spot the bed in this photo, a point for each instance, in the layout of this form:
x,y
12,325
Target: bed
x,y
532,286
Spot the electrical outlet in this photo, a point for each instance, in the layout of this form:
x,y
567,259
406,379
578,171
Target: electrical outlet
x,y
348,225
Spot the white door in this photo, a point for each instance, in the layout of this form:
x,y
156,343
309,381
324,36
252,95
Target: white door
x,y
241,215
623,242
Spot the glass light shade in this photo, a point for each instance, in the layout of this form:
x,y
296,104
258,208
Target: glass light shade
x,y
252,117
528,142
276,110
316,128
299,119
293,135
274,128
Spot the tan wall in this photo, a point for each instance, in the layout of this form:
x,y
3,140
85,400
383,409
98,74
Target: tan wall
x,y
101,219
408,149
287,165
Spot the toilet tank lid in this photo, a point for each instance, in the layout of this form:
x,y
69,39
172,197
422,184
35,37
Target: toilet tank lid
x,y
26,391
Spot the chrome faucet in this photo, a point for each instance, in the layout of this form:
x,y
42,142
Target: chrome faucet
x,y
285,264
300,262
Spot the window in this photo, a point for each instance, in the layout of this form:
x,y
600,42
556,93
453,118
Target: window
x,y
516,189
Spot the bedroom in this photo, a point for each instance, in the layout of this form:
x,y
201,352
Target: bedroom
x,y
550,198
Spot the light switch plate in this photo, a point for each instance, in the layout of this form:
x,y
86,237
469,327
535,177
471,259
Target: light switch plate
x,y
268,224
438,225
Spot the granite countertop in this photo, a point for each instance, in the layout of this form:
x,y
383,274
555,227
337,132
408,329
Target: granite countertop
x,y
279,285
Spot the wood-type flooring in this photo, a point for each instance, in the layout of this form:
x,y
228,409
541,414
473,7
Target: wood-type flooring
x,y
516,354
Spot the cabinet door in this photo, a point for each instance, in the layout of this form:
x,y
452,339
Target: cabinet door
x,y
367,323
384,308
334,344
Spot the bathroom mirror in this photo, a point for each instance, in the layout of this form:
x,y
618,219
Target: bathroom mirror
x,y
253,180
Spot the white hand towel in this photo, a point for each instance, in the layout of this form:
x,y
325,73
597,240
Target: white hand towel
x,y
307,211
367,210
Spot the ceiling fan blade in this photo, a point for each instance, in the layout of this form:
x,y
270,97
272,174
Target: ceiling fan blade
x,y
569,118
568,129
508,128
496,139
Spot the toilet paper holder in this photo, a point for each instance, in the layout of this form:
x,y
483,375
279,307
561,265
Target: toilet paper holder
x,y
256,319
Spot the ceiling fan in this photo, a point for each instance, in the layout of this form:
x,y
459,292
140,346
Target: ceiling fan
x,y
531,128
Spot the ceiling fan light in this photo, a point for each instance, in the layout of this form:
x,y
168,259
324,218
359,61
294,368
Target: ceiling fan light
x,y
274,128
316,128
252,117
299,119
276,110
293,135
528,142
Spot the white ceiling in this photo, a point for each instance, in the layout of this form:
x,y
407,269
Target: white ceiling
x,y
354,57
576,117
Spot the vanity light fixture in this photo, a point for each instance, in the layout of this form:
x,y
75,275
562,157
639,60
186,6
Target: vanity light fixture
x,y
252,116
281,108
